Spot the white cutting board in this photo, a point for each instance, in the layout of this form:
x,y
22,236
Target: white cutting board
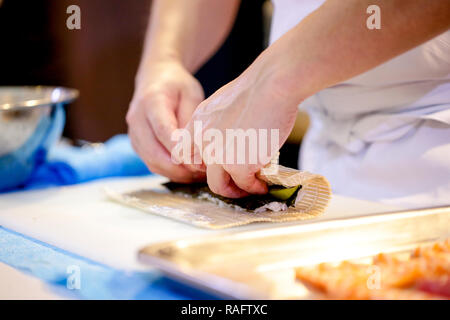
x,y
82,220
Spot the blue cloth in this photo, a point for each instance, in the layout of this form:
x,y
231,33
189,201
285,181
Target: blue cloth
x,y
70,165
39,162
97,281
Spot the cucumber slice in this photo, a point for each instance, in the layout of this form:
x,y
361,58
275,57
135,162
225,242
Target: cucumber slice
x,y
282,193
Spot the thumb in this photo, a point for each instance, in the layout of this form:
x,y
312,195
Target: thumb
x,y
188,103
163,121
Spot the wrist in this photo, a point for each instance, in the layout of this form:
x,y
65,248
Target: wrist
x,y
152,59
276,74
294,72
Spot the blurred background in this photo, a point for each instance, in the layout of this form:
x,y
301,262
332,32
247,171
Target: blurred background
x,y
101,59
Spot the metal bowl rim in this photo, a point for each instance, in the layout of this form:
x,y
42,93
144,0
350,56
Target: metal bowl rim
x,y
68,95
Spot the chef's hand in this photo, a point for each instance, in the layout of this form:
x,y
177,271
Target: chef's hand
x,y
165,97
253,101
324,49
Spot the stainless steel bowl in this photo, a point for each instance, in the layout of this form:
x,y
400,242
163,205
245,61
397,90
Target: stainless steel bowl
x,y
28,116
21,110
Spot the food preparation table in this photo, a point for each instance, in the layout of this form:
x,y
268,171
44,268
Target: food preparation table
x,y
81,220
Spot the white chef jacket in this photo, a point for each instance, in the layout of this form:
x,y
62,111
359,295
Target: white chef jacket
x,y
385,134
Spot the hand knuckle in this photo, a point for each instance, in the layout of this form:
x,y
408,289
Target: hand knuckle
x,y
160,128
196,93
130,117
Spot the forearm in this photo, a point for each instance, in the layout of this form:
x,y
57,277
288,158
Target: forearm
x,y
334,44
187,31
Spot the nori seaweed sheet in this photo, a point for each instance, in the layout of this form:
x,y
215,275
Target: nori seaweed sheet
x,y
250,202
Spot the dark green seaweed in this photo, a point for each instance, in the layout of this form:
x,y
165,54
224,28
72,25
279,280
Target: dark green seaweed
x,y
250,202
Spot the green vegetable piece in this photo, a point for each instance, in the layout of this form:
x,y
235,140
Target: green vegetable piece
x,y
282,193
